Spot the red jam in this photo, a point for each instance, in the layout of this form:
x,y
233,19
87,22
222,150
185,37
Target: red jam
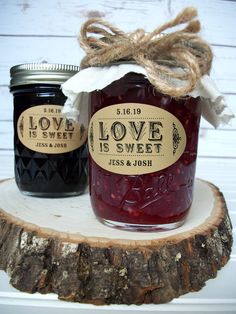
x,y
158,200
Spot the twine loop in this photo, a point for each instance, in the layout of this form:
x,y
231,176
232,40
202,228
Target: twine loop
x,y
174,61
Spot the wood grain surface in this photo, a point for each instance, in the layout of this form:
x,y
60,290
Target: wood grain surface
x,y
57,245
35,31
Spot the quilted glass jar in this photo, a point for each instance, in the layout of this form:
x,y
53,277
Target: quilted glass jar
x,y
50,150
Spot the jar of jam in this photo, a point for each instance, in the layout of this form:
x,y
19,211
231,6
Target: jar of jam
x,y
50,150
143,149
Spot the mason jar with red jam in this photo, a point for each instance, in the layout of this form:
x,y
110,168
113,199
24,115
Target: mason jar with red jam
x,y
143,150
50,149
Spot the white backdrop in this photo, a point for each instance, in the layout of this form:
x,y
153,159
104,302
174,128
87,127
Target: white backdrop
x,y
40,30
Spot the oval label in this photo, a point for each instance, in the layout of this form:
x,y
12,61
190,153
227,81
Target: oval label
x,y
44,129
134,138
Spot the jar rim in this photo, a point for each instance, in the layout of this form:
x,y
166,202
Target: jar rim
x,y
35,73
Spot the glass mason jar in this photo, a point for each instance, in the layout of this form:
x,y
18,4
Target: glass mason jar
x,y
50,150
143,149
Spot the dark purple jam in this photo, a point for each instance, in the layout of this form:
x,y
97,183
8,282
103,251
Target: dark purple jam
x,y
46,174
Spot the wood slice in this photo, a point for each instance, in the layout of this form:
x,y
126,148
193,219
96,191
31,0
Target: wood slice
x,y
57,245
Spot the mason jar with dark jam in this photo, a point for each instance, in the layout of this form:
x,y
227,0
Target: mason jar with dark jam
x,y
50,150
143,149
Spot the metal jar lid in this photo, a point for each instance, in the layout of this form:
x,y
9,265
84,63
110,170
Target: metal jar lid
x,y
44,73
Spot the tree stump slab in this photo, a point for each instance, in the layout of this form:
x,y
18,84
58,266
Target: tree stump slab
x,y
57,245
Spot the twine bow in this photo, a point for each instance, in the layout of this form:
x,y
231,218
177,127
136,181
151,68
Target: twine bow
x,y
174,62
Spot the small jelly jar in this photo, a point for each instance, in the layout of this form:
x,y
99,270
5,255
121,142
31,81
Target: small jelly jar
x,y
50,150
143,149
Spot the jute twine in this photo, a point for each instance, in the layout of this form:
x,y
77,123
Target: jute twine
x,y
159,54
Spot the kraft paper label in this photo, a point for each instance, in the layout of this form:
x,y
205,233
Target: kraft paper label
x,y
134,138
44,129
